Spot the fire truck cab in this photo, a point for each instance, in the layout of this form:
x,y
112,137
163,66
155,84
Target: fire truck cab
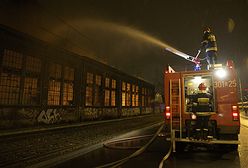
x,y
202,106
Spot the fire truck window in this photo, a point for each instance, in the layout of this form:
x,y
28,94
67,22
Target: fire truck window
x,y
198,94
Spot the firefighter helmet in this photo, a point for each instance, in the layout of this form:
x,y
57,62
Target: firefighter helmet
x,y
202,87
207,29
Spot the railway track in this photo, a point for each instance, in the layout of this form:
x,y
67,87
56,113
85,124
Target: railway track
x,y
28,149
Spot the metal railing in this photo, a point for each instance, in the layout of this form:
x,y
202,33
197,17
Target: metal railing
x,y
243,106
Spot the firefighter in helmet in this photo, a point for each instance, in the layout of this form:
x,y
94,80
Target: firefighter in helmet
x,y
203,91
209,45
202,100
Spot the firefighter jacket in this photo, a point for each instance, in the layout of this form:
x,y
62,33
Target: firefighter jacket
x,y
209,42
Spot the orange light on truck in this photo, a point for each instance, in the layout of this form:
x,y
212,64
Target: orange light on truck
x,y
167,112
235,113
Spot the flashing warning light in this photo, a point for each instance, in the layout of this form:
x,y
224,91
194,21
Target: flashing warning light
x,y
197,67
230,64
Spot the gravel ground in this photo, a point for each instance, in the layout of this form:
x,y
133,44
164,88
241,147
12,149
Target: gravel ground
x,y
24,150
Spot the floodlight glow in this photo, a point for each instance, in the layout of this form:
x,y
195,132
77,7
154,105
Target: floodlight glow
x,y
221,73
197,79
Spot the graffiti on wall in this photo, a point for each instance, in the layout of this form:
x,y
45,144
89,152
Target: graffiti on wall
x,y
50,116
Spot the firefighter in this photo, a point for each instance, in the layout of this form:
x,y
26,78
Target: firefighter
x,y
202,127
210,46
202,92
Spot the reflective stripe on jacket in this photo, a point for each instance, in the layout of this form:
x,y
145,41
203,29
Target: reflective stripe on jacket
x,y
209,42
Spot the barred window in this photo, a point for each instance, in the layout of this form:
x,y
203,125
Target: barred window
x,y
54,92
54,85
68,85
106,99
31,91
133,99
113,99
123,86
98,97
107,82
68,74
33,64
98,80
68,93
13,74
143,97
133,95
9,88
143,101
137,96
31,82
55,71
128,95
89,95
12,59
113,92
123,94
89,89
89,78
113,84
107,92
123,99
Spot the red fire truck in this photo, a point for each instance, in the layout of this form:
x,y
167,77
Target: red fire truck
x,y
202,106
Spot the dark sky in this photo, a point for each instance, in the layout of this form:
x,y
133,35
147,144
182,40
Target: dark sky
x,y
120,32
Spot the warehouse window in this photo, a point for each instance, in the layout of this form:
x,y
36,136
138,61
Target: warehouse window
x,y
107,82
143,95
30,93
9,88
98,90
54,92
107,97
68,93
123,94
31,81
89,89
128,95
107,92
89,95
12,59
33,64
68,86
55,71
10,79
135,95
113,98
54,85
113,92
68,74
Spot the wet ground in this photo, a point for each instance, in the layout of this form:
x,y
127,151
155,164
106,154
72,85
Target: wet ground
x,y
200,157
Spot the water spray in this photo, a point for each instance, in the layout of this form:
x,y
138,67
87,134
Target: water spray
x,y
132,32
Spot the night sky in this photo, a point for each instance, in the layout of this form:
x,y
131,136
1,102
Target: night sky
x,y
121,33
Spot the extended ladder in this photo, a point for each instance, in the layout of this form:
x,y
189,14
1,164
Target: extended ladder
x,y
175,104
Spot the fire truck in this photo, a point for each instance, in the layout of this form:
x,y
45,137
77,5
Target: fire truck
x,y
202,106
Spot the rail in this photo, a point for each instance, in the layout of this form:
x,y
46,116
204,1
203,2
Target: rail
x,y
243,106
